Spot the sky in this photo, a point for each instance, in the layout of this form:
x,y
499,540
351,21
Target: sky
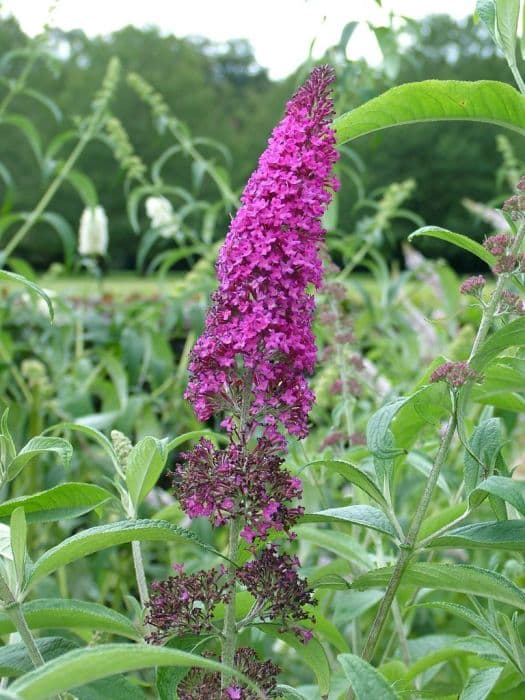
x,y
280,31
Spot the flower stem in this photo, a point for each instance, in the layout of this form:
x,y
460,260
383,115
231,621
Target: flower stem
x,y
229,629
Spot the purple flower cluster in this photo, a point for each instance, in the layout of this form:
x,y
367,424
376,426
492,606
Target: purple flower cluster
x,y
235,483
511,303
473,285
184,604
251,364
199,684
280,595
455,374
259,330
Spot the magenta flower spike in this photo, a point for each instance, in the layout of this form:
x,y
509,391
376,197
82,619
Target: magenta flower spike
x,y
258,333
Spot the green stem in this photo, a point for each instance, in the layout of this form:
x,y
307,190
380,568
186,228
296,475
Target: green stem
x,y
140,574
407,548
518,78
229,629
13,610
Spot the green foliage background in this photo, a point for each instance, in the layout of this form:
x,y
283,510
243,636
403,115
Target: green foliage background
x,y
223,94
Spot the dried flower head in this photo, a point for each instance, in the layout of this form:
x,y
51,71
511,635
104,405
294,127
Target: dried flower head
x,y
258,332
454,373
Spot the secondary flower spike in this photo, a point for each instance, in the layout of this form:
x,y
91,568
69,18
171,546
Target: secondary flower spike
x,y
258,344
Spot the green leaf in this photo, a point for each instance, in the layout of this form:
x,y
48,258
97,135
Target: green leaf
x,y
192,435
507,13
459,578
94,434
456,239
484,447
365,680
473,619
64,501
82,666
94,539
27,127
511,335
116,687
64,231
71,614
368,516
378,436
486,11
504,487
312,654
479,685
145,463
18,527
353,475
14,659
38,446
46,101
13,277
506,535
486,101
84,186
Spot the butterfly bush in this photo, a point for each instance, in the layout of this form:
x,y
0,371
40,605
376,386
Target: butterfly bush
x,y
250,366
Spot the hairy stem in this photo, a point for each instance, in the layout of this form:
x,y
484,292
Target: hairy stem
x,y
229,629
139,573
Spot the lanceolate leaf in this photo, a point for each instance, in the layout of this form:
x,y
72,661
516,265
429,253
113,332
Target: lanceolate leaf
x,y
71,614
368,516
97,538
511,335
65,501
13,277
510,490
486,11
312,653
507,13
38,446
14,659
82,666
484,446
460,578
353,475
366,682
481,683
504,535
456,239
434,100
144,466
